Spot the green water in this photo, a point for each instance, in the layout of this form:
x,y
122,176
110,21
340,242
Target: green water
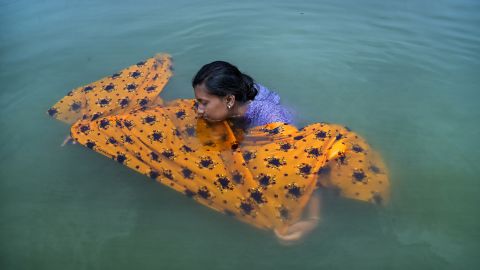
x,y
404,74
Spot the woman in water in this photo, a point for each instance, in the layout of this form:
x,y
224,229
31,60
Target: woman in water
x,y
233,148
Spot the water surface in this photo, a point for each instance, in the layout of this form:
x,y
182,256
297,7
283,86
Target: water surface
x,y
403,74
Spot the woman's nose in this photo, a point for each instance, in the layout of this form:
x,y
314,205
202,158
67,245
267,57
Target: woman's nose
x,y
200,110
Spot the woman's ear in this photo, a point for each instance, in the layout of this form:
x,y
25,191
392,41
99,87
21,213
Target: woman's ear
x,y
230,101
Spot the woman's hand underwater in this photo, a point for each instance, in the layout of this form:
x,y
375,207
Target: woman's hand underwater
x,y
296,232
68,140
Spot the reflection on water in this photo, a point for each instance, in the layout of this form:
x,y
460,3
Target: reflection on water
x,y
401,74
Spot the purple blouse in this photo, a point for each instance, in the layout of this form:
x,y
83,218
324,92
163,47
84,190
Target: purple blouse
x,y
266,108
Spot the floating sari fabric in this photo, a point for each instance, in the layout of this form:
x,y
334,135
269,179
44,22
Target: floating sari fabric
x,y
263,175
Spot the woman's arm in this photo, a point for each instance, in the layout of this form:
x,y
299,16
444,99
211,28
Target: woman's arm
x,y
299,230
68,140
314,206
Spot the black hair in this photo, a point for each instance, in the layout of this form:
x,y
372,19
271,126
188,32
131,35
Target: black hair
x,y
222,78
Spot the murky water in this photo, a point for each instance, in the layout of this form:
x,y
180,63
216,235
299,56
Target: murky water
x,y
404,74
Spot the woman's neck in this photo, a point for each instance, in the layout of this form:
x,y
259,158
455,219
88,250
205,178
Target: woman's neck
x,y
239,109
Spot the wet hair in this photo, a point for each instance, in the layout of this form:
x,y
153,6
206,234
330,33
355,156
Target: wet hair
x,y
222,78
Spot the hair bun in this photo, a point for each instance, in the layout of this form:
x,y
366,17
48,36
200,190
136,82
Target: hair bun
x,y
250,89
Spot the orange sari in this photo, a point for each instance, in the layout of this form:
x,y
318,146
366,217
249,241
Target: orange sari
x,y
263,176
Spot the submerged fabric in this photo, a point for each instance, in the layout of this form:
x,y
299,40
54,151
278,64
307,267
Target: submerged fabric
x,y
264,175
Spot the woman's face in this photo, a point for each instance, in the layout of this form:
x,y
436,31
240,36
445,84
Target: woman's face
x,y
210,107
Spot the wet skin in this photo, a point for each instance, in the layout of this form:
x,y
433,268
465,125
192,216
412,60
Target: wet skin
x,y
216,108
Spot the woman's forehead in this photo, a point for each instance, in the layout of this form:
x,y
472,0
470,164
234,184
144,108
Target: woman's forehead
x,y
201,92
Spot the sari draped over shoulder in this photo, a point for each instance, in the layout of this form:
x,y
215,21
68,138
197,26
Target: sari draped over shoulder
x,y
263,175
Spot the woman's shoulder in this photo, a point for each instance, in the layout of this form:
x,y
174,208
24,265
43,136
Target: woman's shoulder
x,y
267,95
266,108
